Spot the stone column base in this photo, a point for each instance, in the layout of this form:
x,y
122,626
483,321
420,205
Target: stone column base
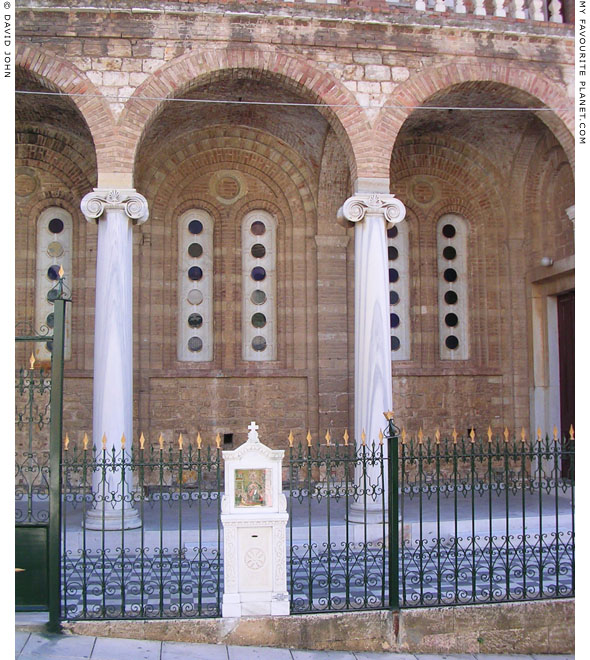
x,y
113,519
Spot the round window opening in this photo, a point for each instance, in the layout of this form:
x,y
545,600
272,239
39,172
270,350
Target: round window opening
x,y
451,320
449,253
258,228
195,273
53,273
49,320
393,297
195,250
258,273
195,226
393,275
395,344
392,232
450,274
452,342
258,320
258,251
56,226
55,249
448,231
392,253
258,297
195,344
451,297
393,320
195,320
53,295
194,297
259,343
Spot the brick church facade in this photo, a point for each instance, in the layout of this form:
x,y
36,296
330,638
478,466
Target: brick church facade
x,y
246,126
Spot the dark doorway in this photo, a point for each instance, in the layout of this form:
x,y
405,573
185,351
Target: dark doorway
x,y
565,326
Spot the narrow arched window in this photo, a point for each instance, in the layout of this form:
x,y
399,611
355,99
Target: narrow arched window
x,y
399,290
195,286
259,287
54,251
452,287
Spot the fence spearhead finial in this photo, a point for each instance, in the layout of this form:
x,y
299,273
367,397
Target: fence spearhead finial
x,y
199,440
291,438
180,441
161,441
85,441
472,435
141,441
345,437
538,434
123,441
308,438
66,442
32,361
403,436
218,440
490,434
454,434
437,437
555,434
572,432
523,435
506,434
363,438
104,441
328,438
420,436
380,437
61,272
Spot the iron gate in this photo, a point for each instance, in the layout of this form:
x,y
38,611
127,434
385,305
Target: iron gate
x,y
38,417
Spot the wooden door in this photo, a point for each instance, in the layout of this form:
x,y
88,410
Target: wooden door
x,y
565,327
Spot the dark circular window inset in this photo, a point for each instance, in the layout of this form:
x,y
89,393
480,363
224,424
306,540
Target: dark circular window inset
x,y
451,297
195,344
258,273
195,320
195,249
448,231
393,320
49,320
451,320
258,228
53,273
449,253
392,253
195,226
451,342
258,250
53,295
258,320
395,344
195,273
450,274
258,297
393,297
392,232
259,343
56,226
393,275
49,346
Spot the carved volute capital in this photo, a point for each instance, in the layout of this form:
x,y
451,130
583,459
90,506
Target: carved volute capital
x,y
357,207
134,205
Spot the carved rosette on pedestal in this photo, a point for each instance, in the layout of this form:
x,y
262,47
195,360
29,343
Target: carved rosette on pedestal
x,y
115,211
371,214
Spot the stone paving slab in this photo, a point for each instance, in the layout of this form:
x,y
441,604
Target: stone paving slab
x,y
20,639
46,645
255,653
323,655
111,648
184,651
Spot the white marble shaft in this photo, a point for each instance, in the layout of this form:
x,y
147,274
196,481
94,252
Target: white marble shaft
x,y
115,211
372,214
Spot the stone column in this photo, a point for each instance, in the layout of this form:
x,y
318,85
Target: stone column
x,y
372,214
115,211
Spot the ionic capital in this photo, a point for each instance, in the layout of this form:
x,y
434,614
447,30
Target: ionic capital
x,y
357,207
134,205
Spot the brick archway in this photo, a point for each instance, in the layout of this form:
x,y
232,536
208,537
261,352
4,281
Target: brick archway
x,y
59,75
536,89
295,74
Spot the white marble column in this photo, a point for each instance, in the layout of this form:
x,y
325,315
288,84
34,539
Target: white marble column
x,y
115,211
372,214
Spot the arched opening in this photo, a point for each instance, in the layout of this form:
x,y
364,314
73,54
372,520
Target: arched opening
x,y
508,177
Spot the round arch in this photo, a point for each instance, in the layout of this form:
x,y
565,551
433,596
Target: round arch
x,y
531,87
295,74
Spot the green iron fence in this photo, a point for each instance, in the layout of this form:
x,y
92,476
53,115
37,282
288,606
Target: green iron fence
x,y
169,567
38,420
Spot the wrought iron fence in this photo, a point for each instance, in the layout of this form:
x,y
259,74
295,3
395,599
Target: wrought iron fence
x,y
169,566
